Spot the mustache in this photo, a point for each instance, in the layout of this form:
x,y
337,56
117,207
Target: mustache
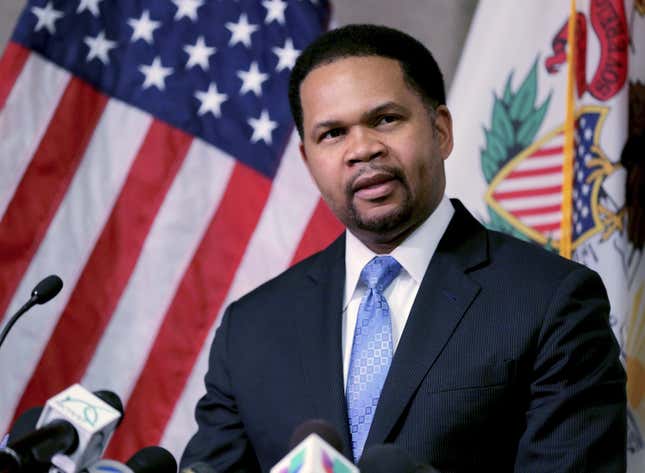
x,y
373,168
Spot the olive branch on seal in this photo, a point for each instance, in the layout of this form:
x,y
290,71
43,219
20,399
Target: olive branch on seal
x,y
515,120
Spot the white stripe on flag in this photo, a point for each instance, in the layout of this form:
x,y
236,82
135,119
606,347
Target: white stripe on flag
x,y
69,242
277,236
281,225
529,183
539,162
24,119
521,203
186,212
542,219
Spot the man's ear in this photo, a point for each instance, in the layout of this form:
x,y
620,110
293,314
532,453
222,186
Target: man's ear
x,y
443,128
303,154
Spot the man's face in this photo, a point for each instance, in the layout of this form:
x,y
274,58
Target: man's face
x,y
374,149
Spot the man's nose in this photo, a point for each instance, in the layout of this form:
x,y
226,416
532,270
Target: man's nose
x,y
363,145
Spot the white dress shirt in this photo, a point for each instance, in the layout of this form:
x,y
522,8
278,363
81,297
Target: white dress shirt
x,y
413,255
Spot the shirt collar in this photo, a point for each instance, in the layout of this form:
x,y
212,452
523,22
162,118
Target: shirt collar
x,y
414,253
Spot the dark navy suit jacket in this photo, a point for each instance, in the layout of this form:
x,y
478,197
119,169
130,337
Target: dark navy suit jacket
x,y
507,363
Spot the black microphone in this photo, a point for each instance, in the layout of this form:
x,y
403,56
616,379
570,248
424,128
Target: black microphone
x,y
312,447
113,400
147,460
324,429
152,460
389,458
44,291
34,451
25,423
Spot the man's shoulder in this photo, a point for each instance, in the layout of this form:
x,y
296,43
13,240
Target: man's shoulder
x,y
508,254
531,263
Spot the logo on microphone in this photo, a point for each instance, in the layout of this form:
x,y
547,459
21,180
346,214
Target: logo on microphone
x,y
85,408
82,410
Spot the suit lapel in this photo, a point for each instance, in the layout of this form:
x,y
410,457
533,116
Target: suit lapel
x,y
445,294
320,338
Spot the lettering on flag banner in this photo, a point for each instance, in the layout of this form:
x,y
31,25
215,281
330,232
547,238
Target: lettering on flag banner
x,y
148,156
521,153
609,23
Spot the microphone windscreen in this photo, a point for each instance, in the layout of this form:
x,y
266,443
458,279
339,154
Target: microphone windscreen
x,y
152,460
113,400
324,429
387,458
46,289
26,423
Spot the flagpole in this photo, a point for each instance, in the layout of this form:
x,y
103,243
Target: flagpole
x,y
569,128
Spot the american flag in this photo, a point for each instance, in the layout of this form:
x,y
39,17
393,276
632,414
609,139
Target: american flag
x,y
529,188
148,157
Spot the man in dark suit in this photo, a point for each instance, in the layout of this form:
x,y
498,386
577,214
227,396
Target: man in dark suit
x,y
467,348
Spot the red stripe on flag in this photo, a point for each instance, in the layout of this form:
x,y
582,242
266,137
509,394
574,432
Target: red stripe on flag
x,y
45,182
528,192
535,172
537,210
322,229
191,314
11,64
113,258
548,151
547,227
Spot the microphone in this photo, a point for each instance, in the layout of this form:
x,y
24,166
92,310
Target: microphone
x,y
147,460
94,416
34,451
113,400
71,432
74,426
317,426
44,291
25,423
313,454
152,460
389,458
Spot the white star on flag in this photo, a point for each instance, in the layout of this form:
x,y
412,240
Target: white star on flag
x,y
211,100
262,127
187,8
155,74
275,11
99,47
252,79
143,28
91,5
199,54
241,31
286,56
46,17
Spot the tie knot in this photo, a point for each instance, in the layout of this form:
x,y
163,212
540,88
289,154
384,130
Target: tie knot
x,y
379,273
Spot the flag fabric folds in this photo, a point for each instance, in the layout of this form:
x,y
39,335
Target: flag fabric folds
x,y
510,103
147,156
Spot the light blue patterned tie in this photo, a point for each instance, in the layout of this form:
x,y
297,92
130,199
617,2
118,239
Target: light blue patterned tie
x,y
371,350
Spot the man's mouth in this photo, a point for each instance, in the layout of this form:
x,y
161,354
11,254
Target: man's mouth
x,y
374,186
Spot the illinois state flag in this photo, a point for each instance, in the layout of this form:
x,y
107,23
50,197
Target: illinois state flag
x,y
538,143
147,156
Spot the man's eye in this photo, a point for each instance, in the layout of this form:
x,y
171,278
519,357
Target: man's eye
x,y
385,119
329,134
